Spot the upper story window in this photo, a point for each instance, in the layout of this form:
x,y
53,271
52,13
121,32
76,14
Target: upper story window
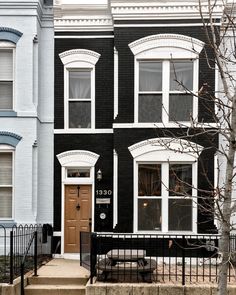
x,y
79,88
166,78
6,75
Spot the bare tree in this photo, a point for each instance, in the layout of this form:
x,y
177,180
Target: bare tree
x,y
220,130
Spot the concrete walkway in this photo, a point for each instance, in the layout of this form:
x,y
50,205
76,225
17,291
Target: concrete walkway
x,y
63,268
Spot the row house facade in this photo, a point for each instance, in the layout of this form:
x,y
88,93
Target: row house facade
x,y
129,152
26,112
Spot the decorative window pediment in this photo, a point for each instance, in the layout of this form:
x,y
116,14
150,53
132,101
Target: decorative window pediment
x,y
9,138
9,34
78,158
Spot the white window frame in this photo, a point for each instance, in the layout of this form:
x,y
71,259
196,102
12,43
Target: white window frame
x,y
6,45
9,149
79,59
165,196
155,151
79,66
165,47
166,63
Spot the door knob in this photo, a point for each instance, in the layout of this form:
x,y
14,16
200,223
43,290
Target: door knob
x,y
78,207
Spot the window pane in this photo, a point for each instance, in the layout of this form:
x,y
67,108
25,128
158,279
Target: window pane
x,y
180,107
6,202
149,180
149,214
150,108
180,179
6,64
180,214
150,76
6,95
181,73
79,114
78,172
5,168
80,84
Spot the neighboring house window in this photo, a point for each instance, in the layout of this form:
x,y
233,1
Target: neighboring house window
x,y
6,183
6,75
165,185
79,88
166,78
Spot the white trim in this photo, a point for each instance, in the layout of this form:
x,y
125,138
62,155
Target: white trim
x,y
84,37
76,158
82,131
57,233
161,25
162,125
166,40
116,83
77,55
173,149
68,158
115,188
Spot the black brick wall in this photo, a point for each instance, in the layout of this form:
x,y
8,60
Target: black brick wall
x,y
124,36
104,72
101,144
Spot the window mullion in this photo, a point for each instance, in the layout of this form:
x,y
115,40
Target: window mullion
x,y
165,90
165,185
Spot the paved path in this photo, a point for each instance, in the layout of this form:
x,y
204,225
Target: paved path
x,y
63,268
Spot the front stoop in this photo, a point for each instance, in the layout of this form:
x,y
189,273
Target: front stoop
x,y
55,286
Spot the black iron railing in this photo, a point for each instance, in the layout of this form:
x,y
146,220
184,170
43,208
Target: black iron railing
x,y
155,258
16,247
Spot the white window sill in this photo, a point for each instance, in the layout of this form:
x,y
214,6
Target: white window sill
x,y
162,125
82,131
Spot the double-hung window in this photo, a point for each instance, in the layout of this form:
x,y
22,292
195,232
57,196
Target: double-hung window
x,y
165,197
165,90
79,89
6,76
79,98
6,184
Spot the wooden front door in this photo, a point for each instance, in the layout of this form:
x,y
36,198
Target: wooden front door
x,y
77,215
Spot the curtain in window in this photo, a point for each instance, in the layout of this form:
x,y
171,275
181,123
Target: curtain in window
x,y
182,71
80,84
5,185
5,169
150,76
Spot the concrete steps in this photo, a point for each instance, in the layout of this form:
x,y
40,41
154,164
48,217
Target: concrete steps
x,y
56,285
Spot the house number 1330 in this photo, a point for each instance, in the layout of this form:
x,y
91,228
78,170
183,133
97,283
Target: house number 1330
x,y
103,192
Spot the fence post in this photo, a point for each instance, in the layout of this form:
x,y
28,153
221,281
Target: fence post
x,y
183,260
35,252
93,256
11,257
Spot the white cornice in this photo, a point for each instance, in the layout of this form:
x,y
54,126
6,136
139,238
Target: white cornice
x,y
162,9
84,23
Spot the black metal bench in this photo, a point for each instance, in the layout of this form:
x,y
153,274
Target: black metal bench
x,y
126,265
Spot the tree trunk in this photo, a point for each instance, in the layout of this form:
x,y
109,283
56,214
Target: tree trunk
x,y
224,247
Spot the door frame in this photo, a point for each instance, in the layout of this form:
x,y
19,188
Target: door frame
x,y
78,159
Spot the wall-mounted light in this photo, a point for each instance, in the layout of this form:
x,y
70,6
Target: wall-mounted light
x,y
99,175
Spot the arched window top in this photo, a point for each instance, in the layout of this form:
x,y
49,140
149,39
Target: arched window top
x,y
79,55
9,34
9,138
182,42
165,149
77,158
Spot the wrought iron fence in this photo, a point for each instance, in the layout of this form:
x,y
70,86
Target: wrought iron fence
x,y
14,241
155,258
